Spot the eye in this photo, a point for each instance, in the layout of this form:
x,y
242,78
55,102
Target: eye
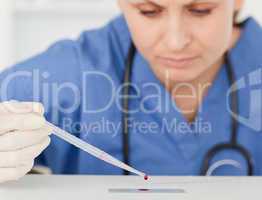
x,y
150,13
200,12
202,9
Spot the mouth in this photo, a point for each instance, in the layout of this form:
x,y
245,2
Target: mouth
x,y
182,62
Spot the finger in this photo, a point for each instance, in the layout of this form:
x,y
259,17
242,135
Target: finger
x,y
21,107
21,139
36,107
16,158
29,121
15,173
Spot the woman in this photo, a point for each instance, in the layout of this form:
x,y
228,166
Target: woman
x,y
179,107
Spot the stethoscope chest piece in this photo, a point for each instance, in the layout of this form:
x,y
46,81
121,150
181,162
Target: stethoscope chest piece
x,y
229,156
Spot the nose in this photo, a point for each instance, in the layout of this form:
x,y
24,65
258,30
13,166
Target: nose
x,y
176,36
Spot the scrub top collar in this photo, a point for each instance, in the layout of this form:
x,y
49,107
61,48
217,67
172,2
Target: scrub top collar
x,y
247,62
246,54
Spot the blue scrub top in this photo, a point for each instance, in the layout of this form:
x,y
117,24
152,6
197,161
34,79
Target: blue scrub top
x,y
85,72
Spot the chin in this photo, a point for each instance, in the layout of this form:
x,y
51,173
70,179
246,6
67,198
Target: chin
x,y
176,76
181,79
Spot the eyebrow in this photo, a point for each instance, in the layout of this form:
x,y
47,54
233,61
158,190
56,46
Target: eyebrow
x,y
143,1
155,1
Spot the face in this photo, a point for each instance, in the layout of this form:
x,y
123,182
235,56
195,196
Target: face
x,y
181,39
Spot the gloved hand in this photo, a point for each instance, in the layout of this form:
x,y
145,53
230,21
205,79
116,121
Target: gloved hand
x,y
23,136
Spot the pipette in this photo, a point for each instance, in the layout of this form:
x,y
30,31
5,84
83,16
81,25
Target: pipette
x,y
98,153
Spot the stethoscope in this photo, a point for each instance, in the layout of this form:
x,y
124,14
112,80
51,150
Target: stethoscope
x,y
205,169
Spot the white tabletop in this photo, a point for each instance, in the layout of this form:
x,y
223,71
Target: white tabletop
x,y
36,187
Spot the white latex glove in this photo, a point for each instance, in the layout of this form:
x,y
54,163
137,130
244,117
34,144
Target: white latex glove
x,y
23,136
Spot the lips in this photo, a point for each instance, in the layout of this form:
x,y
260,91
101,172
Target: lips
x,y
177,62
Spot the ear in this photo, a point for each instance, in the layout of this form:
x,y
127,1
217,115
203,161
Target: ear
x,y
239,4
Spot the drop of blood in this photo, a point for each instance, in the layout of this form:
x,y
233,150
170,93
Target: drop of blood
x,y
145,177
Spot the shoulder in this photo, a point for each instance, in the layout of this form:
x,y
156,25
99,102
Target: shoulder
x,y
102,49
106,47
